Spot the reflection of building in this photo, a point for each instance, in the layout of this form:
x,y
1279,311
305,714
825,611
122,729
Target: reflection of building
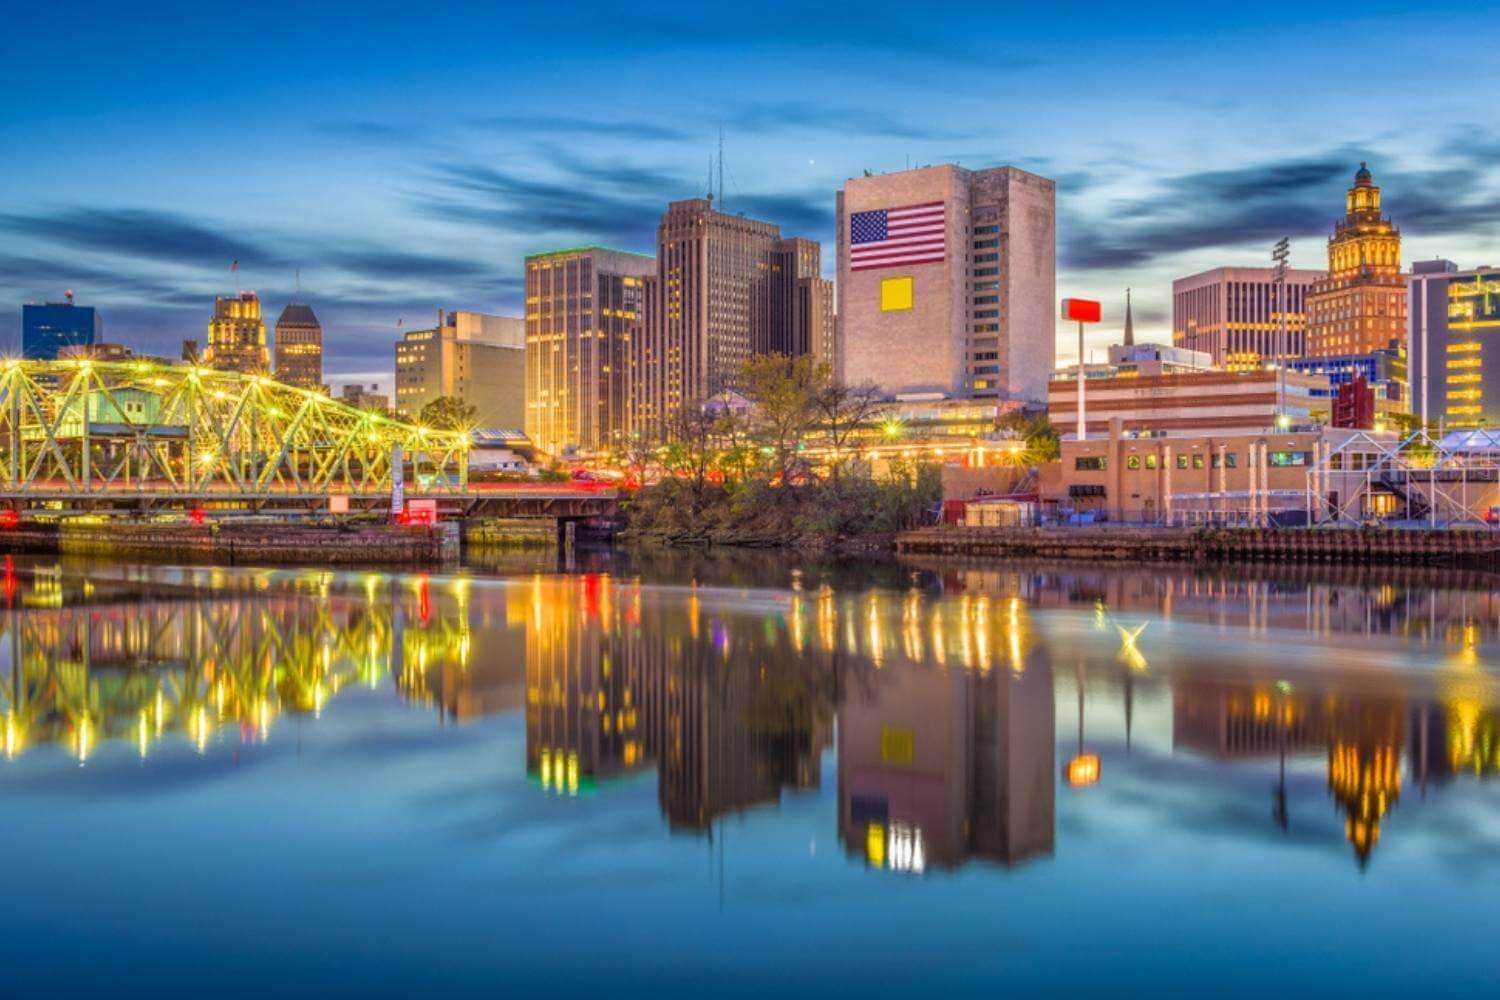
x,y
299,347
1454,344
936,766
47,329
1363,735
1239,720
727,743
947,282
237,336
583,309
583,712
1364,768
472,357
1234,313
1360,305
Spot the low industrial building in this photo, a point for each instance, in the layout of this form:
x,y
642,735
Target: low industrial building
x,y
1188,403
1219,477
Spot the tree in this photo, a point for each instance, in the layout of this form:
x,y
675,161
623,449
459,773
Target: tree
x,y
448,413
782,390
691,453
841,411
1036,431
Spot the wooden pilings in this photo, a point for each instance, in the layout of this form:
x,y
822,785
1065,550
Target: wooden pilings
x,y
1290,545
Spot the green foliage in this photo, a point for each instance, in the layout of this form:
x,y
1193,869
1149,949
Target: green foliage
x,y
447,413
1036,430
741,478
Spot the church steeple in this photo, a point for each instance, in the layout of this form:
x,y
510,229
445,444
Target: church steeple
x,y
1129,322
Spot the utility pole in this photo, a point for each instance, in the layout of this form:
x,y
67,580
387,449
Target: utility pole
x,y
1279,254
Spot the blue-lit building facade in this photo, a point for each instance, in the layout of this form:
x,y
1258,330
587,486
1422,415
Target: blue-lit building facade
x,y
1384,371
47,329
1453,350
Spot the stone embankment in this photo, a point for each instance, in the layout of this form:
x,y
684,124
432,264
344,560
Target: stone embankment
x,y
1291,545
231,543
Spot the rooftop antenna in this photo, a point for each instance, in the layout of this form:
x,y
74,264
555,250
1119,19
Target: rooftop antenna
x,y
299,283
721,166
710,180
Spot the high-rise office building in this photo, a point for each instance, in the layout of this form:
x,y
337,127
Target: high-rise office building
x,y
809,323
1453,346
1360,306
947,282
237,336
46,329
299,347
583,310
1233,314
725,290
472,357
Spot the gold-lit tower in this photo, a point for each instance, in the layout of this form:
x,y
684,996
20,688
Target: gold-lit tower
x,y
237,336
1361,305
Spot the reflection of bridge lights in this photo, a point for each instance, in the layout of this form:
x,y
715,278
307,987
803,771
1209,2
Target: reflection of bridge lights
x,y
143,733
14,737
200,728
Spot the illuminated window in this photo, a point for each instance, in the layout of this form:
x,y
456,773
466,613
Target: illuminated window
x,y
895,294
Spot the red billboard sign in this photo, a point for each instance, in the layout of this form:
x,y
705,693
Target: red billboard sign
x,y
1081,310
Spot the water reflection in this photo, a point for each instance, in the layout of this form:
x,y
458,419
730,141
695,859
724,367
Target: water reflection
x,y
938,696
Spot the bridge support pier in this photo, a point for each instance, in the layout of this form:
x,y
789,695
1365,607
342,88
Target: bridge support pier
x,y
567,541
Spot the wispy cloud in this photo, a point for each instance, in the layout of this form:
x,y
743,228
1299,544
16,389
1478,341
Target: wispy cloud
x,y
139,233
1260,202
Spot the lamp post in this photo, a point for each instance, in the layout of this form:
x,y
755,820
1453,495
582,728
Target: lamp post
x,y
1081,311
1279,255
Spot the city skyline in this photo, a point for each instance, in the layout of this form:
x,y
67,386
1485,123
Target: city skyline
x,y
421,182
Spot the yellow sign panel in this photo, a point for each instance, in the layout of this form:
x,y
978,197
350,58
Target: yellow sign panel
x,y
895,294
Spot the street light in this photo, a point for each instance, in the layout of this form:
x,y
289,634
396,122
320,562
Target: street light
x,y
1279,254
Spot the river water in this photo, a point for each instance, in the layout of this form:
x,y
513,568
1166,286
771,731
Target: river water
x,y
727,775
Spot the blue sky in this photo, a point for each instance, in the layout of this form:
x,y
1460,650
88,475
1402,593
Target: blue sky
x,y
406,157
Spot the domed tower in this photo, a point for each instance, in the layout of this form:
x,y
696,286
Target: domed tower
x,y
1361,305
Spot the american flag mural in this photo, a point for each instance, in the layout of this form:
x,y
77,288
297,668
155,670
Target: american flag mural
x,y
897,237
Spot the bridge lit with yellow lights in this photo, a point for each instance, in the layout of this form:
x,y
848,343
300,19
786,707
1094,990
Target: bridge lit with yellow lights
x,y
87,430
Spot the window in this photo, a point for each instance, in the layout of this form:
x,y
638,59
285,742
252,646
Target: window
x,y
1151,461
1231,459
1182,461
1198,461
1133,462
1289,458
895,294
1089,463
